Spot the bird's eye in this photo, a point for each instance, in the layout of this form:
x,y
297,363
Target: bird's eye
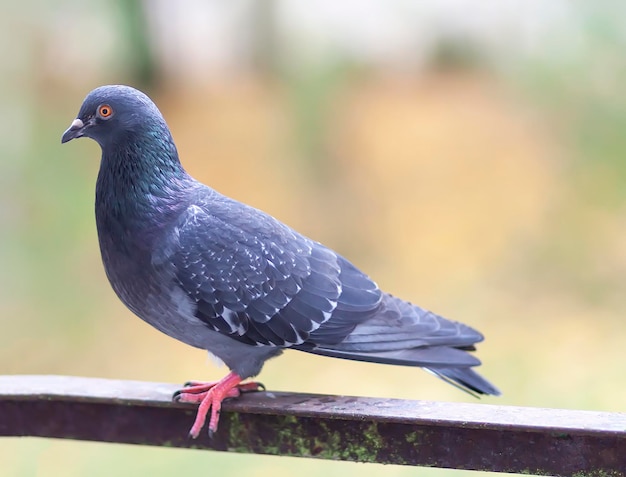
x,y
105,111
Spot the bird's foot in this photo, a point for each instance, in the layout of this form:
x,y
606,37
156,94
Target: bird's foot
x,y
199,388
209,396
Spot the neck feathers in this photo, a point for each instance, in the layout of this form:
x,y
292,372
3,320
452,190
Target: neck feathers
x,y
141,186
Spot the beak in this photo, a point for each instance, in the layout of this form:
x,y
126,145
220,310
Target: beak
x,y
75,130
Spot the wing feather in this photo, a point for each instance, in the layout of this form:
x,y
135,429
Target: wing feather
x,y
249,274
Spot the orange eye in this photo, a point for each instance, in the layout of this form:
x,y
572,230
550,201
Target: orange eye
x,y
105,111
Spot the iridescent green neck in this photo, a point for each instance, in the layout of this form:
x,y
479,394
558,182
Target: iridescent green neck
x,y
141,183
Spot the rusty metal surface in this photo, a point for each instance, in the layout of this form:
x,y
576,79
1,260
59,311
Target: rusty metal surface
x,y
453,435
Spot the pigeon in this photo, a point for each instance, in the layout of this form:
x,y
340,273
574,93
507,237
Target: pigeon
x,y
228,278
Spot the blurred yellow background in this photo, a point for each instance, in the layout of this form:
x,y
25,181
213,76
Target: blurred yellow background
x,y
470,158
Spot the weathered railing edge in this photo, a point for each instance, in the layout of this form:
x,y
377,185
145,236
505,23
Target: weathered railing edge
x,y
455,435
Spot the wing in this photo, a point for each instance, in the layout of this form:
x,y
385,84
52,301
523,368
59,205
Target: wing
x,y
254,278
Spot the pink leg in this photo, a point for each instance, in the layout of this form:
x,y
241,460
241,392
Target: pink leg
x,y
209,396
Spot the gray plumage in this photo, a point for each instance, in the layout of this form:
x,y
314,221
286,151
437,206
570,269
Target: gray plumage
x,y
222,276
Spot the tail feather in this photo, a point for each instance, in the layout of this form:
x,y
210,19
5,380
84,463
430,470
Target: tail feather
x,y
454,366
438,357
466,379
400,333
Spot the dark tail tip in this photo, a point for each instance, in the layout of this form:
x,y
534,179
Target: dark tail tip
x,y
467,380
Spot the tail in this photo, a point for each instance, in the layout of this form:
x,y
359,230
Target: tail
x,y
457,370
466,379
401,333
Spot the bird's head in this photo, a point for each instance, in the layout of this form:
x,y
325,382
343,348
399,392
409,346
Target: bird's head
x,y
109,113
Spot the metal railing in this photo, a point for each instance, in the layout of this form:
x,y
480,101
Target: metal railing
x,y
391,431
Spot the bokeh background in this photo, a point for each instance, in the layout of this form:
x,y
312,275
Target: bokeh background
x,y
471,157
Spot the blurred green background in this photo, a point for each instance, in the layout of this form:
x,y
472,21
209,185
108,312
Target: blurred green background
x,y
469,157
